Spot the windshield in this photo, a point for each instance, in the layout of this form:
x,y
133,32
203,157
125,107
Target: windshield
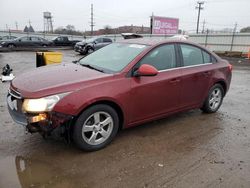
x,y
89,40
114,57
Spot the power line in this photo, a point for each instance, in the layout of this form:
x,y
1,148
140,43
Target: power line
x,y
199,7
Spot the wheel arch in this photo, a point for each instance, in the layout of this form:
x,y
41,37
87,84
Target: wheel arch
x,y
223,84
110,103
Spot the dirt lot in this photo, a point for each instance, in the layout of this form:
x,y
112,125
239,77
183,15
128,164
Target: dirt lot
x,y
190,149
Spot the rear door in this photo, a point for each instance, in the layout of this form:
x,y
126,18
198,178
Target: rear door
x,y
106,41
98,43
23,42
36,41
156,95
195,74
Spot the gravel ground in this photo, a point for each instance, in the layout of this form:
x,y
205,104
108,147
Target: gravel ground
x,y
190,149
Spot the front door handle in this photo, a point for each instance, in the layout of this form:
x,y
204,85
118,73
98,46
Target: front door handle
x,y
174,81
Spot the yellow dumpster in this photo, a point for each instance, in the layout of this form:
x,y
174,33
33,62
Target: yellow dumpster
x,y
47,58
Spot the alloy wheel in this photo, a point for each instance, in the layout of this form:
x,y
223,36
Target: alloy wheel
x,y
97,128
215,98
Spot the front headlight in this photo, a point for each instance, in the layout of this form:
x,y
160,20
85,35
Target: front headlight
x,y
2,43
44,104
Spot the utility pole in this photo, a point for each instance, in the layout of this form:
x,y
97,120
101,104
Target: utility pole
x,y
29,23
16,25
92,20
235,28
199,7
203,26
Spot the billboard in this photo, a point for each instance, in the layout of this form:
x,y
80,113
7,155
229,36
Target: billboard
x,y
164,25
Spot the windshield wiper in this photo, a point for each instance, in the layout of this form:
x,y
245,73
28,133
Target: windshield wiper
x,y
92,67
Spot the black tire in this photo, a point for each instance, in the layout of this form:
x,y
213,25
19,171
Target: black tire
x,y
11,46
214,99
87,119
90,50
44,45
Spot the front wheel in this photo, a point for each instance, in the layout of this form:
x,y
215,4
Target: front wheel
x,y
96,127
214,99
11,46
90,50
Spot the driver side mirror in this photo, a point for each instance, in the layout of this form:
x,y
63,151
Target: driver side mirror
x,y
146,70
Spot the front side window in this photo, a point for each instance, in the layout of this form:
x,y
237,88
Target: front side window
x,y
99,40
161,58
23,39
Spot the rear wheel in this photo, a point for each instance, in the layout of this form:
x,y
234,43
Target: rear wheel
x,y
214,99
44,45
11,46
96,127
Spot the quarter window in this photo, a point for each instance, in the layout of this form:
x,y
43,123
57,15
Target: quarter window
x,y
161,58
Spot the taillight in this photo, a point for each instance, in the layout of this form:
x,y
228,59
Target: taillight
x,y
230,67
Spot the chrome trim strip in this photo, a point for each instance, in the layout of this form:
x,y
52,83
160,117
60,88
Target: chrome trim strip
x,y
16,96
184,67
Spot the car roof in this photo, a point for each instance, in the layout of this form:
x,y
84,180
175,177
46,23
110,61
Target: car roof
x,y
156,42
153,42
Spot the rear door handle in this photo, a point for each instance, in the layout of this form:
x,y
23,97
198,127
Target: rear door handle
x,y
207,73
174,81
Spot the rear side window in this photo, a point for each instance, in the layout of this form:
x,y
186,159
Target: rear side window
x,y
35,39
206,57
161,58
191,55
107,40
195,56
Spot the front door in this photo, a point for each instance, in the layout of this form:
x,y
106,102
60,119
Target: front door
x,y
156,95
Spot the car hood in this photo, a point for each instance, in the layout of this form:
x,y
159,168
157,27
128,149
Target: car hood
x,y
6,41
81,43
54,79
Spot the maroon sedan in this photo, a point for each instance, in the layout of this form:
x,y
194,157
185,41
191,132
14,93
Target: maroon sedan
x,y
121,85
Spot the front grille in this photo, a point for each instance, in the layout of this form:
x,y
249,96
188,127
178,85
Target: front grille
x,y
15,101
15,93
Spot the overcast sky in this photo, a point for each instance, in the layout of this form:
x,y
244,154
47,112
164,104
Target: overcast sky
x,y
218,14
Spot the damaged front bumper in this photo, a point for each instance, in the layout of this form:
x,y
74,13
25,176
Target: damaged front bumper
x,y
44,123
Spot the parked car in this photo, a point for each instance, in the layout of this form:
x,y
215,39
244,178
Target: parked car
x,y
90,45
26,42
64,41
7,37
119,86
131,35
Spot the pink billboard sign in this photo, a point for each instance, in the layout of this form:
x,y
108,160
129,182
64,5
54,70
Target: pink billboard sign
x,y
163,25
